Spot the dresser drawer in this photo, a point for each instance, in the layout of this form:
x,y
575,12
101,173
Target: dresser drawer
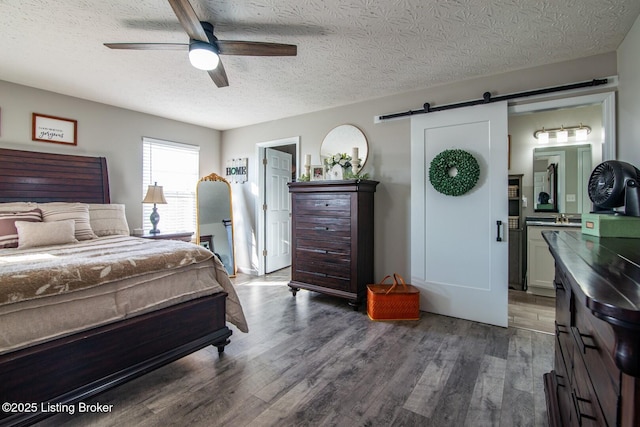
x,y
335,246
323,228
315,262
327,204
601,368
563,389
563,323
321,279
584,399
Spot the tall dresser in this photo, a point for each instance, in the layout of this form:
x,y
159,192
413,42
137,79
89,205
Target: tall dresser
x,y
332,237
596,375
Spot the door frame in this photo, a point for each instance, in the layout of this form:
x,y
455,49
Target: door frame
x,y
261,197
606,99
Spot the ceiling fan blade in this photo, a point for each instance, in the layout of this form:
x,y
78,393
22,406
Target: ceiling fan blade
x,y
233,47
148,46
188,19
219,76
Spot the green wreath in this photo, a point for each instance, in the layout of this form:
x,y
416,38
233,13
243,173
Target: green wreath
x,y
456,184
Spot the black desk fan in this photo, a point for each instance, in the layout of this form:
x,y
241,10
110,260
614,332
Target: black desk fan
x,y
613,184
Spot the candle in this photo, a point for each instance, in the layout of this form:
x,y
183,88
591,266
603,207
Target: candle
x,y
307,159
354,155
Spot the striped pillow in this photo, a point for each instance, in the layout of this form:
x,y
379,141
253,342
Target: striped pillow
x,y
79,212
8,231
108,219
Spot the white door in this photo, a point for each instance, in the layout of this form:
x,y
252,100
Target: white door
x,y
456,260
277,211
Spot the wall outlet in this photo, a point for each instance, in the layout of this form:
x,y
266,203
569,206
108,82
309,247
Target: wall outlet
x,y
524,202
571,197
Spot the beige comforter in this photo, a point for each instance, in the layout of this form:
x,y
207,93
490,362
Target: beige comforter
x,y
40,272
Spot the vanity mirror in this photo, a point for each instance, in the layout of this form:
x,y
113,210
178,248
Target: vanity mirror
x,y
215,219
343,139
562,173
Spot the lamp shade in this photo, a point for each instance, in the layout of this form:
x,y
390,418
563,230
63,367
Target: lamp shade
x,y
203,55
154,194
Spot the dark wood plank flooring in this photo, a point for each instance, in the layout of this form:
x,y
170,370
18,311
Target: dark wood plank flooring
x,y
313,361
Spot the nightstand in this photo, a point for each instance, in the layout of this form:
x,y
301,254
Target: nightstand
x,y
185,236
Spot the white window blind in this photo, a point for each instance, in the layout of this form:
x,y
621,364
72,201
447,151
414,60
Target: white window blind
x,y
175,167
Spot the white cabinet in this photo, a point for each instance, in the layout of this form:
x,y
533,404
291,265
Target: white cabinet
x,y
540,263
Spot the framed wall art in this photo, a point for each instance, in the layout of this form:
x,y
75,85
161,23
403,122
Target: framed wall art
x,y
54,129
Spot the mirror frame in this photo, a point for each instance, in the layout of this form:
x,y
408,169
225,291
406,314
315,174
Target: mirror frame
x,y
350,146
217,178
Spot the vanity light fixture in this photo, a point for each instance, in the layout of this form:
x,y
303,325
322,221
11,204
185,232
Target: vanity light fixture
x,y
203,55
562,133
543,137
582,132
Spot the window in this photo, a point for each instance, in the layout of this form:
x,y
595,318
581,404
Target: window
x,y
175,167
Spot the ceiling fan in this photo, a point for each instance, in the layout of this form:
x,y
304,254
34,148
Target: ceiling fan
x,y
205,48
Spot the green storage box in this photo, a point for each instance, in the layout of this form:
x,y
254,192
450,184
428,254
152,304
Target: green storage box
x,y
607,225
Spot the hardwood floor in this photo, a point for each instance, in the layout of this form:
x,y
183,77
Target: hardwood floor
x,y
313,361
532,312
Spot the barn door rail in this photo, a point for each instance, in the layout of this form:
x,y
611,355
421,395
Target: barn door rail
x,y
487,99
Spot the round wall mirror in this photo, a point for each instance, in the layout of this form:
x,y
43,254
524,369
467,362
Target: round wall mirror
x,y
343,139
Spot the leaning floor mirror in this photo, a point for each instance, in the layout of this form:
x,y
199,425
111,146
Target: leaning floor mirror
x,y
215,219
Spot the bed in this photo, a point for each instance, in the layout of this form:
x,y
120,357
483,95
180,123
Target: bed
x,y
73,365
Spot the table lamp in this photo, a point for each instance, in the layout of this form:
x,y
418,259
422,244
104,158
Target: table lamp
x,y
154,195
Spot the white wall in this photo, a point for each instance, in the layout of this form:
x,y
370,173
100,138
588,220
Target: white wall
x,y
389,144
629,97
103,130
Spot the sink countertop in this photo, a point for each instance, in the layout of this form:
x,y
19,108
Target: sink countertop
x,y
554,224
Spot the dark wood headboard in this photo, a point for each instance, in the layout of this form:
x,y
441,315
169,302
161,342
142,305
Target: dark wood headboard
x,y
44,177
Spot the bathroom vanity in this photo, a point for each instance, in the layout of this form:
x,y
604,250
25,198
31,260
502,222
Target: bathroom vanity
x,y
540,263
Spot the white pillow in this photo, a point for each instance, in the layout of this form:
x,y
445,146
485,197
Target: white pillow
x,y
108,220
33,234
79,212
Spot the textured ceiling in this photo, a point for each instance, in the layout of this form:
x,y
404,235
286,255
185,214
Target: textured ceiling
x,y
348,50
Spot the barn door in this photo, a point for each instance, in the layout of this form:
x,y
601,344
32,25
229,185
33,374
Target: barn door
x,y
459,253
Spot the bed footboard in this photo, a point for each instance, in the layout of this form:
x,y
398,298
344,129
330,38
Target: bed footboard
x,y
74,368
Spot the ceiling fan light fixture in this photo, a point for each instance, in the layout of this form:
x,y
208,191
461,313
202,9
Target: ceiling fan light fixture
x,y
203,55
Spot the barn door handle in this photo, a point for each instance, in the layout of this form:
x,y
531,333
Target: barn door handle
x,y
498,230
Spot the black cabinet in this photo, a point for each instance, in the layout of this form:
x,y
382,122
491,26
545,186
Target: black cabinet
x,y
516,233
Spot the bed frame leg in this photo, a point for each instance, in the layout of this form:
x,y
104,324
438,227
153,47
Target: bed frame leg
x,y
221,346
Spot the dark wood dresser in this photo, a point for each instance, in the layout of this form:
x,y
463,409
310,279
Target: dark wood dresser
x,y
596,376
332,237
